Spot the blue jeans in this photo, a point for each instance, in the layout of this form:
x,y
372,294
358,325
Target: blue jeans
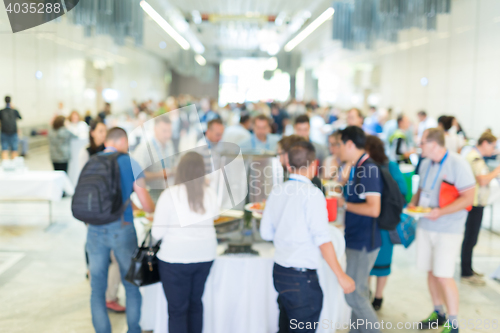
x,y
9,141
183,285
122,239
300,299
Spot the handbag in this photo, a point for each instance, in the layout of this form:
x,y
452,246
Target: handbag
x,y
405,231
448,193
143,269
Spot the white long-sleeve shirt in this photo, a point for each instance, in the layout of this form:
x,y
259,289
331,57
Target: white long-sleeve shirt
x,y
296,220
187,236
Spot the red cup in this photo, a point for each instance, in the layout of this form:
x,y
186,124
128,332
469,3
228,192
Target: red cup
x,y
331,207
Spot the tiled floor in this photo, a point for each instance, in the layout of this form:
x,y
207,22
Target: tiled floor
x,y
43,288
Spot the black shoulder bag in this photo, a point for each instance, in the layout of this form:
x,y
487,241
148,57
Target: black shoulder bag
x,y
143,270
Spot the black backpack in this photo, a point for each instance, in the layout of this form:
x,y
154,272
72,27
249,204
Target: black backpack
x,y
98,195
392,200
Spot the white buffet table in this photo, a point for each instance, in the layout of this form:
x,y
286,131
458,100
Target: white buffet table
x,y
34,185
240,296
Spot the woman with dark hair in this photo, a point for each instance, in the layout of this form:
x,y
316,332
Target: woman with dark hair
x,y
59,144
454,135
97,135
184,222
382,268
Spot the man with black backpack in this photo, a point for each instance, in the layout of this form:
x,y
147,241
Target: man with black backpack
x,y
102,199
362,204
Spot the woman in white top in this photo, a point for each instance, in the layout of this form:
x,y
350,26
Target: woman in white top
x,y
77,126
184,222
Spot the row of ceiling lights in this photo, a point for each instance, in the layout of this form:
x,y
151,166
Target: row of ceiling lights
x,y
327,14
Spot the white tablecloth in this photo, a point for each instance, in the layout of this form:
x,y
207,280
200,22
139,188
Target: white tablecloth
x,y
76,146
240,296
34,185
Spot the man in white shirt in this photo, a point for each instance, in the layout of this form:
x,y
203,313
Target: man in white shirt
x,y
239,133
424,122
156,157
296,220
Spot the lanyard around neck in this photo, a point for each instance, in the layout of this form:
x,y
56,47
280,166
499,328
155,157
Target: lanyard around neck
x,y
437,174
158,151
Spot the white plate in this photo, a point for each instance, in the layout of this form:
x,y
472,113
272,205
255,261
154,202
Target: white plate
x,y
413,214
253,210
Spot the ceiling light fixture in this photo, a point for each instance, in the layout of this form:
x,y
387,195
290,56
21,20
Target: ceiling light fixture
x,y
309,29
164,25
200,60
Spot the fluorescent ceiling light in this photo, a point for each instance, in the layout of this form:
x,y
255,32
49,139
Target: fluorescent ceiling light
x,y
200,60
309,29
164,25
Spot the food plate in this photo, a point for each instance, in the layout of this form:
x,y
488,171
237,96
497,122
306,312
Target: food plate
x,y
255,207
417,212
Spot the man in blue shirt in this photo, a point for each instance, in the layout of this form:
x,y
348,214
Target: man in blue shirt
x,y
362,234
296,220
261,141
119,237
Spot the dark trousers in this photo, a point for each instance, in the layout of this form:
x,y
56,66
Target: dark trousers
x,y
300,299
60,166
183,285
472,228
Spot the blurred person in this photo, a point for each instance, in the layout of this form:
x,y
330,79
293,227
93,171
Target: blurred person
x,y
382,267
280,118
332,163
76,126
400,147
485,147
355,118
362,207
440,232
9,135
424,122
239,133
302,128
156,172
284,145
390,126
60,143
453,141
118,236
105,112
88,117
187,252
296,220
371,123
213,135
261,139
206,114
97,136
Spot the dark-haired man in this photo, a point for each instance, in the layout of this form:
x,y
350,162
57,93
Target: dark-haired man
x,y
362,234
119,237
261,141
302,128
440,233
296,220
8,120
280,118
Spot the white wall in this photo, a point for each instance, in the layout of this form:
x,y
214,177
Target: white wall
x,y
461,61
62,53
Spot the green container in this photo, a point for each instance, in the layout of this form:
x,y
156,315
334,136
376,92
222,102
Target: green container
x,y
408,170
